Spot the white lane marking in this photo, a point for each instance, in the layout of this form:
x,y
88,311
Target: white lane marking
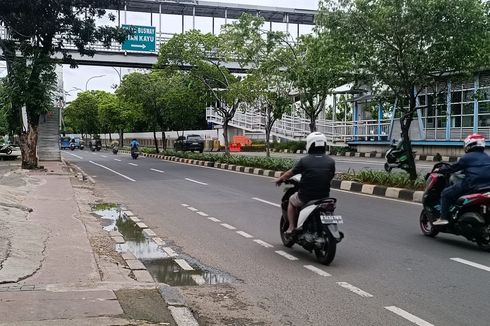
x,y
104,156
286,255
245,234
214,219
470,263
192,208
116,159
198,182
263,243
316,270
408,316
354,289
159,171
184,265
228,226
185,205
266,202
94,153
202,214
76,156
133,164
169,251
115,172
198,279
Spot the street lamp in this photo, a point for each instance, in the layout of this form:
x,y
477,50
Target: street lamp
x,y
86,84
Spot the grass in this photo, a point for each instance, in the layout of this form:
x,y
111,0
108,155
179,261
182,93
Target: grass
x,y
382,178
104,206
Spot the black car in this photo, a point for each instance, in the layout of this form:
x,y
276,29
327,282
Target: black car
x,y
190,143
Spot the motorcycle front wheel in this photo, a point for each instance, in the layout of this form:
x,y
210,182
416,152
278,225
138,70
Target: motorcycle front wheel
x,y
9,150
285,240
426,225
326,255
387,167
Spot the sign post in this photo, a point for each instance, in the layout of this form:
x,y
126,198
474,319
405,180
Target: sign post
x,y
141,38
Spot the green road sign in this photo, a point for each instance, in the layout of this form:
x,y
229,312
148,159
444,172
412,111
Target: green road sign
x,y
142,38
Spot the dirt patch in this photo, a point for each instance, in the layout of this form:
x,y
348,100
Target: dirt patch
x,y
224,304
145,305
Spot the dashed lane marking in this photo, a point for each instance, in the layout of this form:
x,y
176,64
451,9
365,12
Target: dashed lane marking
x,y
116,159
192,208
355,290
76,156
195,181
245,234
133,164
104,156
185,205
184,265
228,226
316,270
263,243
115,172
408,316
266,202
159,171
286,255
202,214
472,264
214,219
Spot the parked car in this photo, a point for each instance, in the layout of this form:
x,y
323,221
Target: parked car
x,y
191,143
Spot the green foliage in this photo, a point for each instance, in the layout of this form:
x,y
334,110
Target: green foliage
x,y
82,114
382,178
291,146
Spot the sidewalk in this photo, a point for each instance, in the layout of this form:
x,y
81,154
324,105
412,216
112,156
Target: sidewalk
x,y
57,265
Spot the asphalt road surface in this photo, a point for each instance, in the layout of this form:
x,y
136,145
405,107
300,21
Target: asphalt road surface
x,y
385,271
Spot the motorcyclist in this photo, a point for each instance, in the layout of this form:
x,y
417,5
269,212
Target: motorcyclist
x,y
317,171
134,144
475,165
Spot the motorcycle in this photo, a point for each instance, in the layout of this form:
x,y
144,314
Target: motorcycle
x,y
6,149
317,229
72,146
396,157
470,214
115,149
134,153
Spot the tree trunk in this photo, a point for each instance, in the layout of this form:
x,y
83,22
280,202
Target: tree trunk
x,y
267,141
225,135
155,140
28,147
110,137
164,141
312,123
121,138
405,123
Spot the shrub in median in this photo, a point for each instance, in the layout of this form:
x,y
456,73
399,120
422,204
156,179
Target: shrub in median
x,y
382,178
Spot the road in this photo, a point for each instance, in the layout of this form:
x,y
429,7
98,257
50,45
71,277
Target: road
x,y
385,271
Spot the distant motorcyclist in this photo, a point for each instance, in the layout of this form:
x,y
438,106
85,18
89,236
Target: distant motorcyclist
x,y
317,171
134,144
475,165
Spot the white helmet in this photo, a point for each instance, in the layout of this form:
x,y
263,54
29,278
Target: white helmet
x,y
474,141
316,138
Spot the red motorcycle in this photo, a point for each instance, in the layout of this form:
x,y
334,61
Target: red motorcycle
x,y
470,215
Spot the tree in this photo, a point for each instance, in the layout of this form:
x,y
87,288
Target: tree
x,y
36,30
82,114
112,114
316,65
408,45
267,81
204,56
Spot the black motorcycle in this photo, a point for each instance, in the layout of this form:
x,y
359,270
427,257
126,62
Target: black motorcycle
x,y
134,153
396,157
317,228
6,149
470,214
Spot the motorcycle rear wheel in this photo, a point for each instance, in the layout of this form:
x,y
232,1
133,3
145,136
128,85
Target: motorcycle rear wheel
x,y
326,255
388,168
426,225
288,243
9,150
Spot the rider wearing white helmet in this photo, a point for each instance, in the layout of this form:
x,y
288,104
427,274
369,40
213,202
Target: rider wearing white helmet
x,y
317,171
475,165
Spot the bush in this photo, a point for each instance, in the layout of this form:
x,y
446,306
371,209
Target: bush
x,y
253,148
336,150
382,178
291,146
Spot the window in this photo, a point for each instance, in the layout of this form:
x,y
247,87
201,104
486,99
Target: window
x,y
441,122
484,107
468,108
456,97
456,109
467,121
484,120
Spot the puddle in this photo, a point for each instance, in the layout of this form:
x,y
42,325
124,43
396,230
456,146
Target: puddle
x,y
169,272
161,267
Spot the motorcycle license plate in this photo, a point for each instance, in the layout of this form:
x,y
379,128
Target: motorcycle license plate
x,y
331,219
195,143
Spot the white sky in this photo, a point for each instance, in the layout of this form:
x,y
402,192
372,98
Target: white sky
x,y
75,80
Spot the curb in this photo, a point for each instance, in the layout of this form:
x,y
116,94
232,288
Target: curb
x,y
418,157
380,191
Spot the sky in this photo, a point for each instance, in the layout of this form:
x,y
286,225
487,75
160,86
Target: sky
x,y
106,78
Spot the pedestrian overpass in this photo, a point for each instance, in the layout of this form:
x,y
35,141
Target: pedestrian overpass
x,y
156,11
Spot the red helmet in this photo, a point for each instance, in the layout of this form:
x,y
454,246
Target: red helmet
x,y
474,141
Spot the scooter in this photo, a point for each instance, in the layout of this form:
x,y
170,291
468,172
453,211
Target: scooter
x,y
396,157
318,228
115,149
72,146
470,214
134,153
6,149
